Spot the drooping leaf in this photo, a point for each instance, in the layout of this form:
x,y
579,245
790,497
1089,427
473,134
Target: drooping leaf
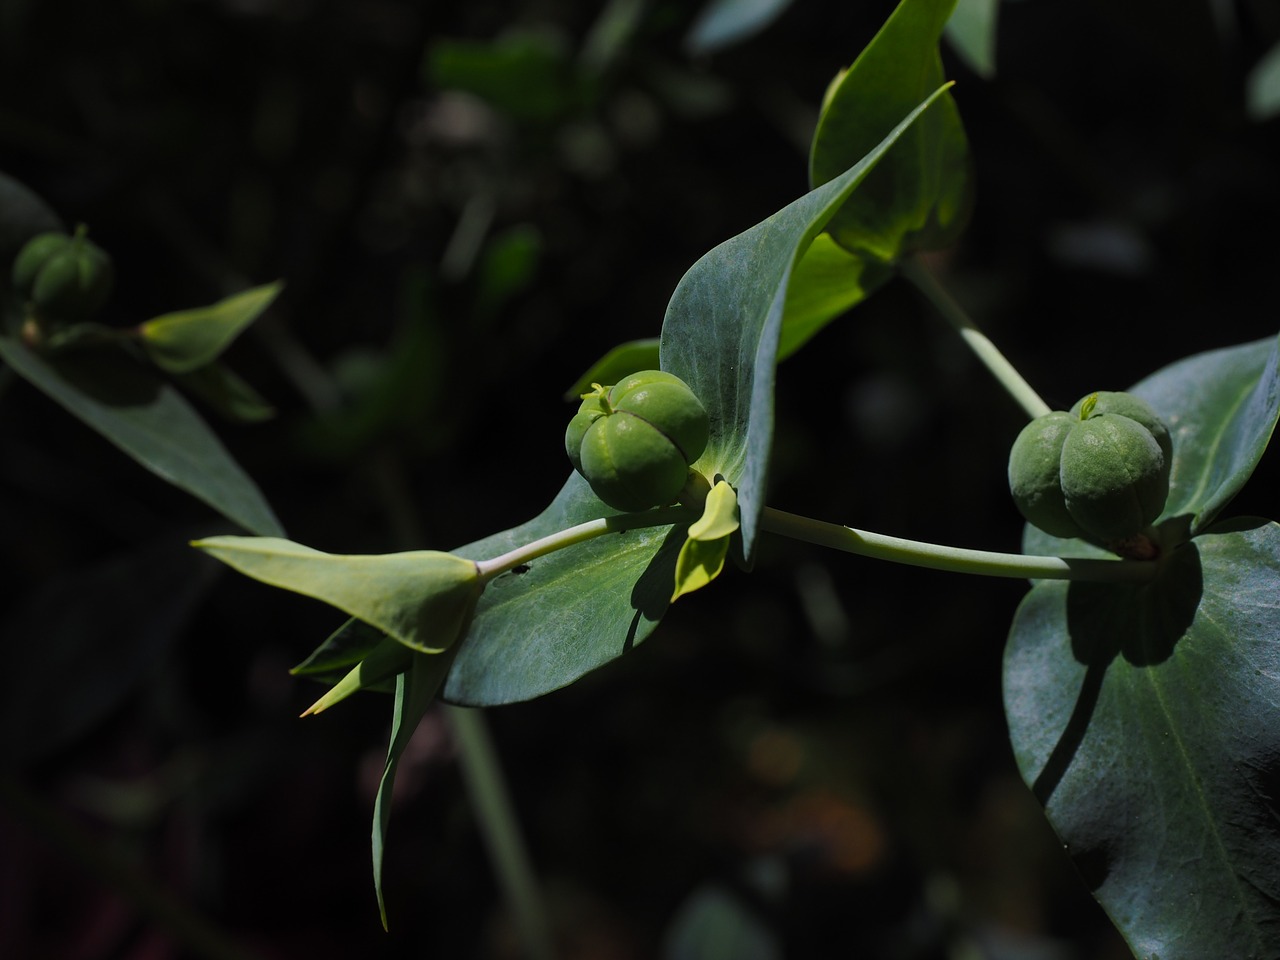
x,y
972,32
416,688
190,339
422,598
920,197
702,557
827,282
626,358
722,327
147,419
1146,719
541,627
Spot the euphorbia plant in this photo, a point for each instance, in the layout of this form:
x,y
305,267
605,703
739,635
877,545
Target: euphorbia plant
x,y
1139,676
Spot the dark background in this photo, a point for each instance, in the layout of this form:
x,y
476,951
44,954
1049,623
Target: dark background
x,y
822,739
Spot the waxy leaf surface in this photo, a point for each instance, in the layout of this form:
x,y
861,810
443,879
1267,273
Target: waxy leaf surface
x,y
1146,719
722,328
541,627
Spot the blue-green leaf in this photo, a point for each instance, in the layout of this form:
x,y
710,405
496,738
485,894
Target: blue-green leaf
x,y
1146,719
723,323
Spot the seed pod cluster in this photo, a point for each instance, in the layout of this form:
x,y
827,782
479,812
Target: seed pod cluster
x,y
1100,471
66,278
633,441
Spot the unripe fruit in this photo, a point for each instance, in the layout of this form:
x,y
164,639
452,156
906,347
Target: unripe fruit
x,y
1101,471
67,278
1035,475
634,441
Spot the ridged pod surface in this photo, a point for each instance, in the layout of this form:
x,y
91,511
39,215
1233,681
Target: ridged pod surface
x,y
66,277
633,441
1100,471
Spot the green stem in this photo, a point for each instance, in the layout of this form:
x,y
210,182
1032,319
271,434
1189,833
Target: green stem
x,y
986,351
955,559
579,534
497,820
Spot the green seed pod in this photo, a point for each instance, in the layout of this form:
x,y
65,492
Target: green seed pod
x,y
1115,477
67,278
634,441
1136,409
1034,476
1100,471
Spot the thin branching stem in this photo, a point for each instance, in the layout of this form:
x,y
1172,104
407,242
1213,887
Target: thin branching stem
x,y
954,559
986,351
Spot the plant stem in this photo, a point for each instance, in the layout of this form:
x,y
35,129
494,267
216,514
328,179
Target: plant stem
x,y
578,534
497,820
978,342
955,559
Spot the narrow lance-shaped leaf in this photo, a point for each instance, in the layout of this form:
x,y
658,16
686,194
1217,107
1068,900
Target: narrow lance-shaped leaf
x,y
416,688
422,598
721,330
147,419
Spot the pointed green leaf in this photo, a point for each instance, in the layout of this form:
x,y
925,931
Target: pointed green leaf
x,y
626,358
380,666
703,554
147,419
1221,408
700,562
722,328
1146,719
423,598
719,515
415,689
189,339
920,197
340,651
827,282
